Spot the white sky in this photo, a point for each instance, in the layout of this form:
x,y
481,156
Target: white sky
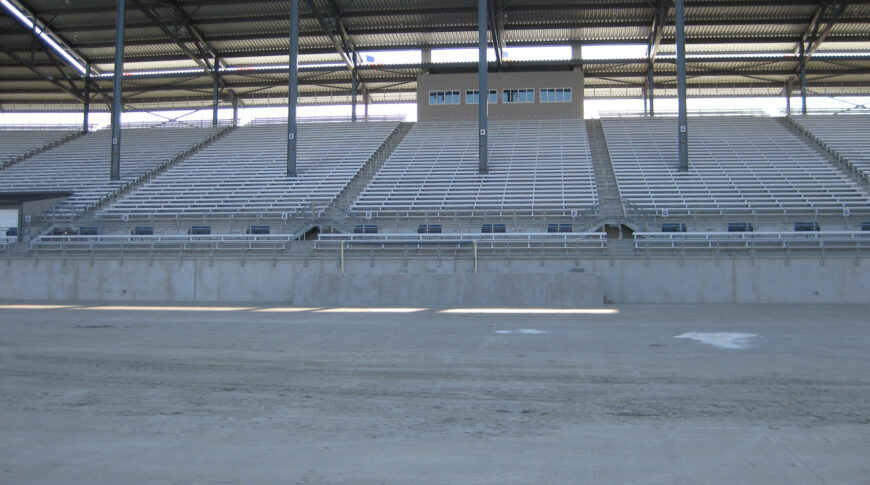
x,y
593,107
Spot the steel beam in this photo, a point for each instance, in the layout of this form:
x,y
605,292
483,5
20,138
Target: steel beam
x,y
215,97
366,101
482,90
496,17
292,88
353,89
803,79
651,89
682,121
657,29
86,108
117,93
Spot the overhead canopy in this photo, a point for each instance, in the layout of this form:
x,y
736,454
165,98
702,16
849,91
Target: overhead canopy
x,y
736,47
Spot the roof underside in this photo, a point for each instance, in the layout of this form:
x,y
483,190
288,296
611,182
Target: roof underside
x,y
735,48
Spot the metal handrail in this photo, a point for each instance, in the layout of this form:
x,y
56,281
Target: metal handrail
x,y
752,240
699,112
325,119
464,237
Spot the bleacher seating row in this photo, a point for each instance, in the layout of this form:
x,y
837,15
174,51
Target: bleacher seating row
x,y
18,143
244,173
848,135
737,164
540,165
82,165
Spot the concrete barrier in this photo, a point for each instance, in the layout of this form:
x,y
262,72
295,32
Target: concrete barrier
x,y
551,282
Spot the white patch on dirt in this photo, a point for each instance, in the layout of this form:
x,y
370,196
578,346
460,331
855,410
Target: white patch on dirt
x,y
721,340
522,331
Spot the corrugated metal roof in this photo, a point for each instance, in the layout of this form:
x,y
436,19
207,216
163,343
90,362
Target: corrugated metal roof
x,y
254,33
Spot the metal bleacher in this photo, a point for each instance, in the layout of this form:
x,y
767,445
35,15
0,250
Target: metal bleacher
x,y
741,165
847,135
18,143
535,167
82,165
243,175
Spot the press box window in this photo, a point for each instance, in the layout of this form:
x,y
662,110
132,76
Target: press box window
x,y
518,96
556,95
444,97
471,97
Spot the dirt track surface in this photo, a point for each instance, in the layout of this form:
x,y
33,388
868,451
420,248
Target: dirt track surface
x,y
242,396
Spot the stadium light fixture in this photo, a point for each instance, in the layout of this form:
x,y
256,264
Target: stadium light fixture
x,y
44,35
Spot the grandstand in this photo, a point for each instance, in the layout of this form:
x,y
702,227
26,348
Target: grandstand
x,y
77,166
542,167
522,184
745,165
415,241
21,143
241,176
844,135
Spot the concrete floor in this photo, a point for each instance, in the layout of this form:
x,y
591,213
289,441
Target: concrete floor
x,y
240,396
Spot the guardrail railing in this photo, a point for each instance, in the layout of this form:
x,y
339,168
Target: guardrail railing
x,y
497,242
71,245
700,112
325,119
473,246
752,241
790,212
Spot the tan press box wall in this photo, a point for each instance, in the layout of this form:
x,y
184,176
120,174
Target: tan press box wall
x,y
500,81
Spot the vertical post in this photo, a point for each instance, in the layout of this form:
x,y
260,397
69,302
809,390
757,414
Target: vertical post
x,y
86,109
353,88
788,89
482,90
426,58
366,101
292,88
643,94
803,61
651,89
683,134
341,255
117,94
215,94
577,58
235,100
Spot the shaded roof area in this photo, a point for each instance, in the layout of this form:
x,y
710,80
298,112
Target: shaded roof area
x,y
735,48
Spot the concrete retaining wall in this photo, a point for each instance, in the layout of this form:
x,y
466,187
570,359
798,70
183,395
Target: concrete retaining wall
x,y
551,282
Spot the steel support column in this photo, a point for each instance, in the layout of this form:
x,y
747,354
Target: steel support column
x,y
803,61
117,93
235,109
366,101
86,109
682,122
482,90
215,97
788,89
643,94
353,88
292,88
651,89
